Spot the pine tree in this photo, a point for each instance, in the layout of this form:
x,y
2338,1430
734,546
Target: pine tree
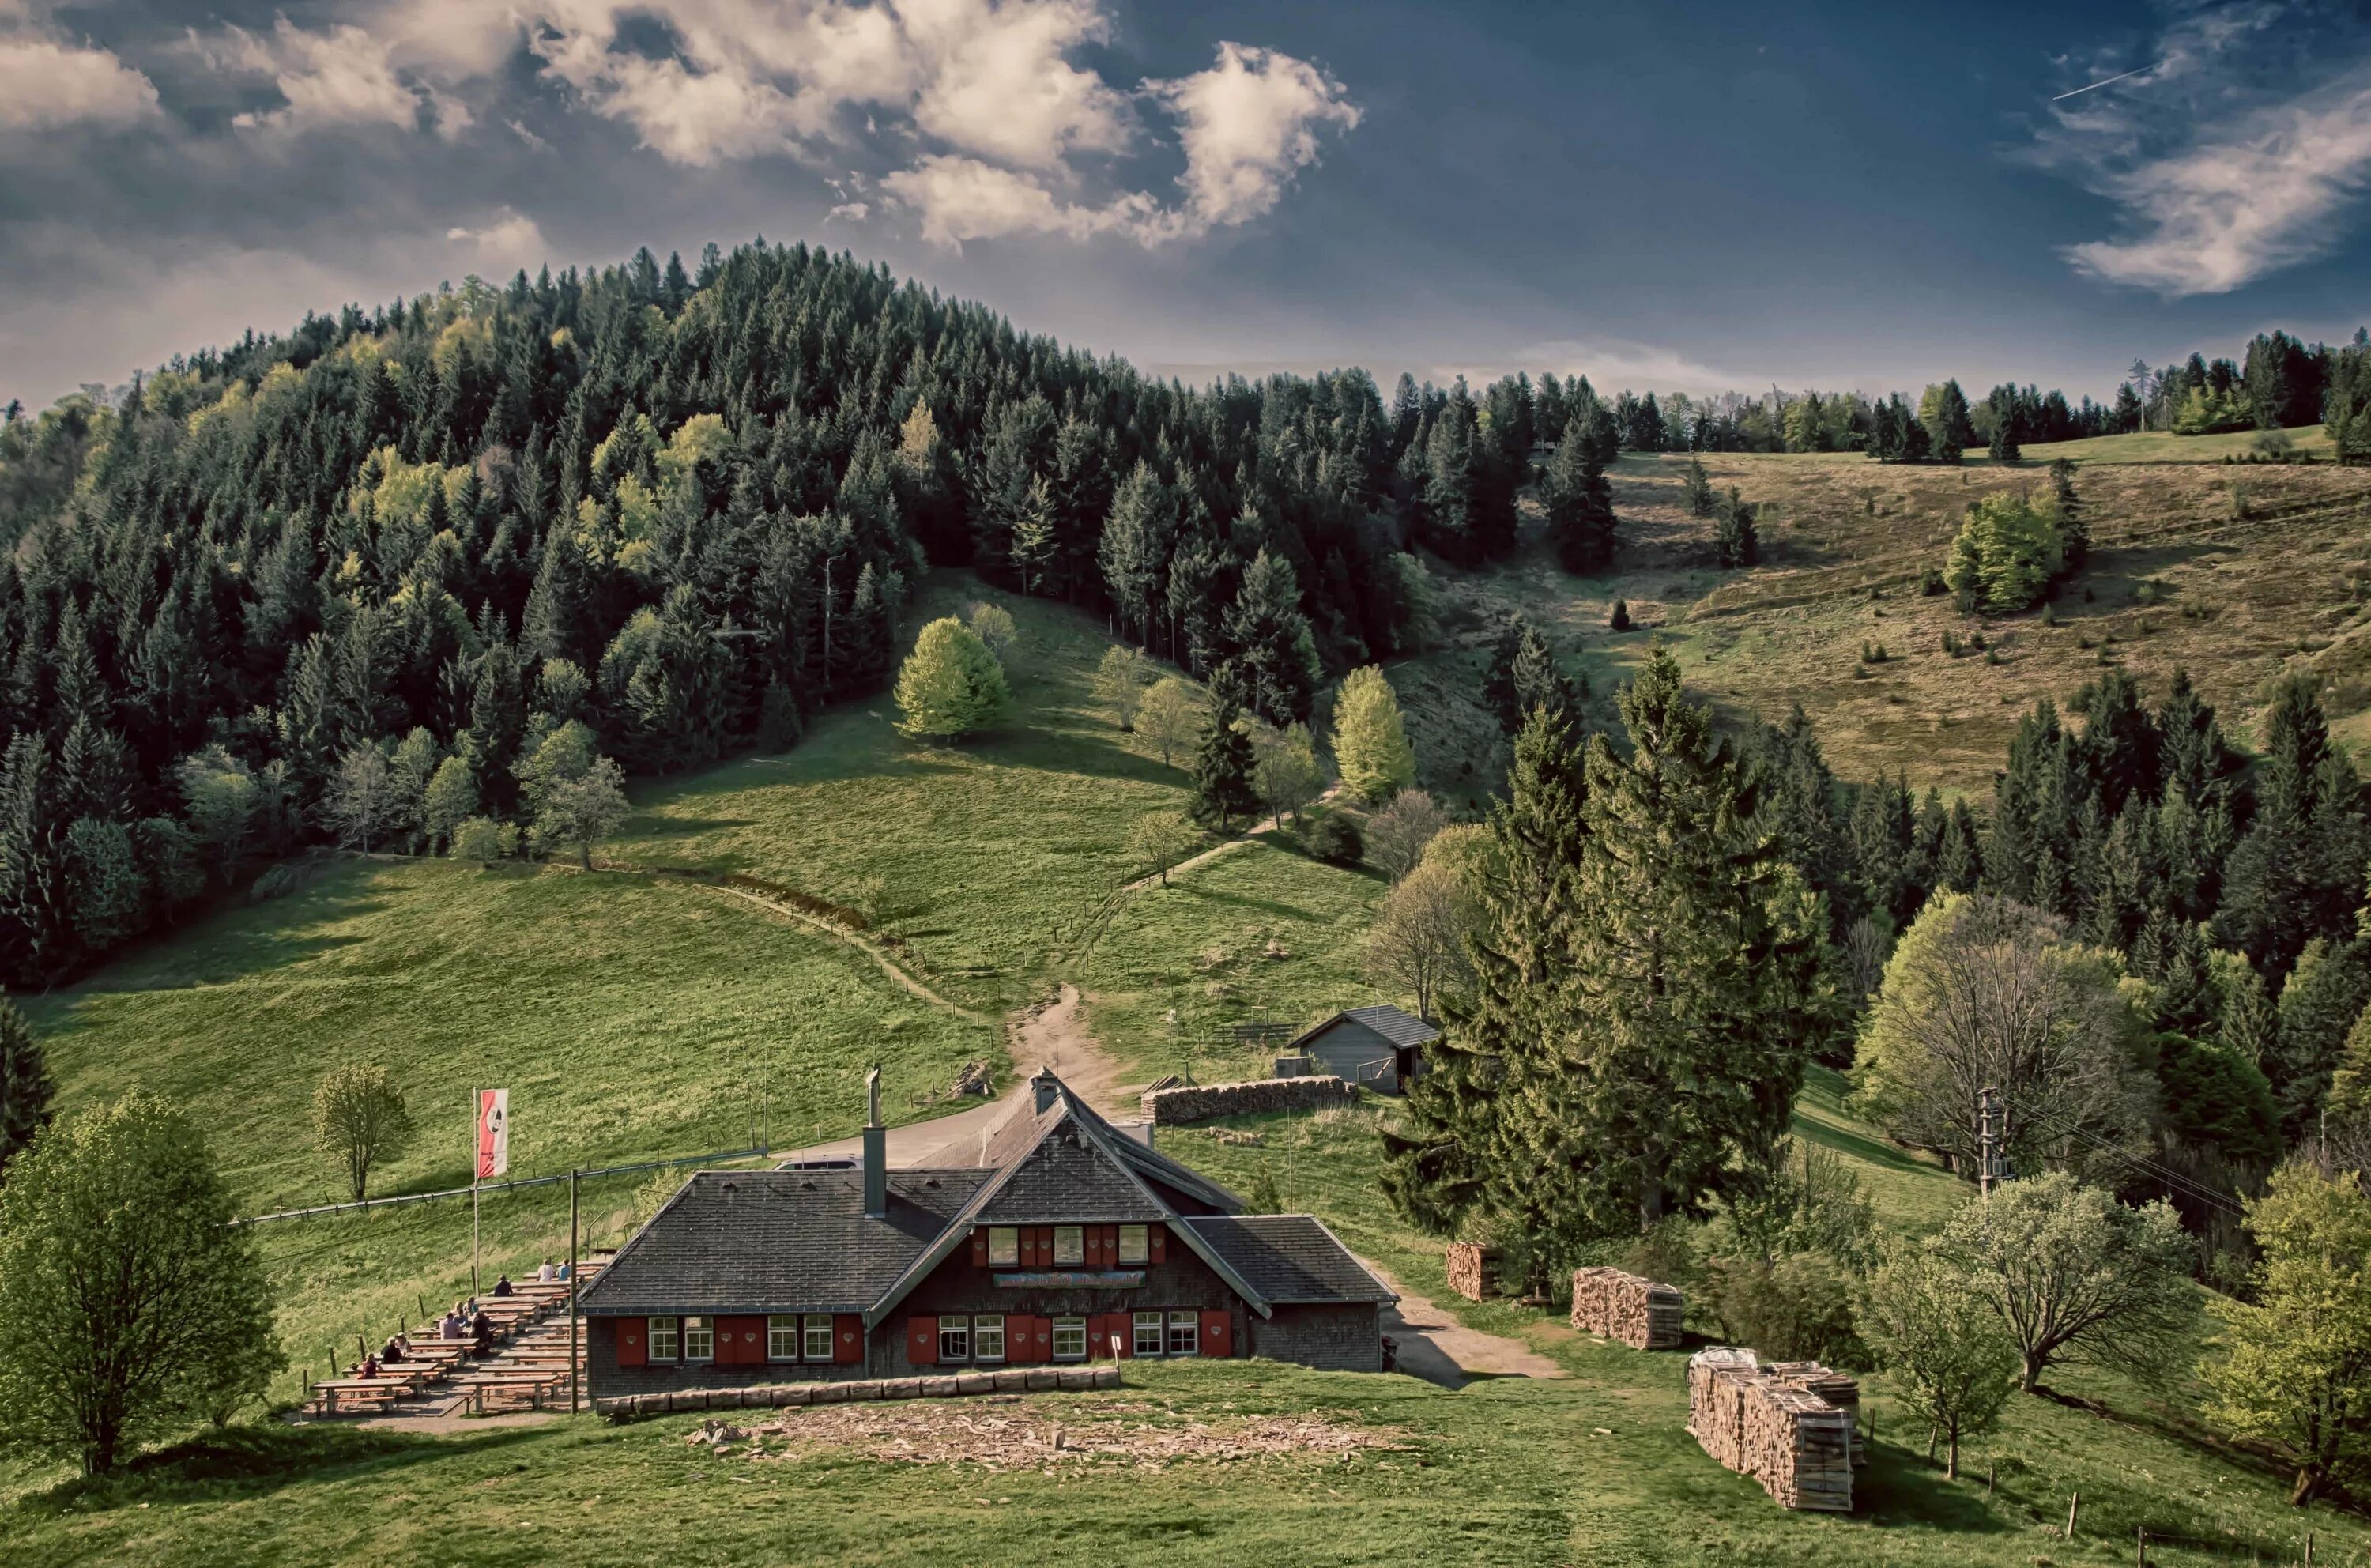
x,y
1274,655
1697,487
1135,542
26,1087
2073,528
1577,498
1734,542
1223,764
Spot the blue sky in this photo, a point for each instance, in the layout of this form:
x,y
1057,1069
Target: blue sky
x,y
1673,195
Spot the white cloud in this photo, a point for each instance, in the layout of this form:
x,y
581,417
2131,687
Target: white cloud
x,y
47,82
340,75
2239,152
2263,195
849,213
997,80
962,199
1250,123
509,240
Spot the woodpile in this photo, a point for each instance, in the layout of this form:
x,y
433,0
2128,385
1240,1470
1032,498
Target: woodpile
x,y
1624,1306
1788,1426
1203,1102
1473,1270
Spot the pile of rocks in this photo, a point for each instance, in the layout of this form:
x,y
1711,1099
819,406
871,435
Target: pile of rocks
x,y
1777,1424
1625,1307
1203,1102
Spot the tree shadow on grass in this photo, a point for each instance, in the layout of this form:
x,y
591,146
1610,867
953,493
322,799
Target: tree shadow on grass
x,y
237,942
242,1462
1242,901
667,825
1897,1487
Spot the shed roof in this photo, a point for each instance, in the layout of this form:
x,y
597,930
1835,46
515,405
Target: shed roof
x,y
1398,1027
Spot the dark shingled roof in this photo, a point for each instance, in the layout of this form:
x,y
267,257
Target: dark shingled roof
x,y
777,1241
1399,1027
1290,1259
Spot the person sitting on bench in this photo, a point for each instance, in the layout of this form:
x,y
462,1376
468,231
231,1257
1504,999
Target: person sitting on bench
x,y
369,1368
502,1286
483,1330
546,1274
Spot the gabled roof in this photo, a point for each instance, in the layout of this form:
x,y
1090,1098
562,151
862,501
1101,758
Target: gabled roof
x,y
1399,1027
1290,1259
777,1241
1018,1144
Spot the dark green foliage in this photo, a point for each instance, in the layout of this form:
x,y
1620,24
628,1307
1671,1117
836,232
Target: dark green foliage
x,y
2327,992
712,495
1619,621
1797,1308
26,1087
1650,977
2073,528
1334,838
1577,498
1734,542
1223,770
1697,487
2217,1099
2299,872
1524,674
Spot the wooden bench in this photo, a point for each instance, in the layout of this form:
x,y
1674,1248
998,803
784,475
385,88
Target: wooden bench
x,y
357,1390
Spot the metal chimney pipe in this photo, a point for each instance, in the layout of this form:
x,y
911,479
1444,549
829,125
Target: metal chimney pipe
x,y
876,1151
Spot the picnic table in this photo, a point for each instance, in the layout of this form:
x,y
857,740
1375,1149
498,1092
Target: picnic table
x,y
359,1391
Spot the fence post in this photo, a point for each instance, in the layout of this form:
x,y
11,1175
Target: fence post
x,y
2140,1545
2073,1504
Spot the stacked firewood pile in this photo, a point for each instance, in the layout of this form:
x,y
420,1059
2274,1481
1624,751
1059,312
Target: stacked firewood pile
x,y
1473,1270
1617,1306
1771,1423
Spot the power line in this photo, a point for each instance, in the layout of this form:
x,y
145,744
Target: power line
x,y
2110,81
2190,1186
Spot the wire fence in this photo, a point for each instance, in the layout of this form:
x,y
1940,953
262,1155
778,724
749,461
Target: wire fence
x,y
2253,1549
483,1189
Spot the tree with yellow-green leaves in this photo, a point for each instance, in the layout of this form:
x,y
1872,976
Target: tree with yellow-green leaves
x,y
1370,743
951,685
2296,1367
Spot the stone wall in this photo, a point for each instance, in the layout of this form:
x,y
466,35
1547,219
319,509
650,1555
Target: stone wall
x,y
1335,1338
1203,1102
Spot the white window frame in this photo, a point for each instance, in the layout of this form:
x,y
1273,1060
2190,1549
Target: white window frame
x,y
954,1339
1135,1244
782,1338
670,1336
1153,1323
1077,1329
1190,1325
698,1331
1070,1246
814,1328
1004,1246
987,1329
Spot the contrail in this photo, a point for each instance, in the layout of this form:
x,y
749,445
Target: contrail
x,y
2063,96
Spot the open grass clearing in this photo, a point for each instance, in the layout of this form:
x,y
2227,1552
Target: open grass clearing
x,y
978,860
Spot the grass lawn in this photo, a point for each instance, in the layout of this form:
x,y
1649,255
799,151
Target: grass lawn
x,y
980,859
2163,446
631,1019
1260,934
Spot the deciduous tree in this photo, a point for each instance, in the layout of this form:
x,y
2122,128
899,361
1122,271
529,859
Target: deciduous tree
x,y
951,685
1948,1350
360,1120
1370,745
1168,716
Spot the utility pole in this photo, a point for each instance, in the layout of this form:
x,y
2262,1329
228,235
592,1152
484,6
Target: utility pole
x,y
1992,1161
475,1234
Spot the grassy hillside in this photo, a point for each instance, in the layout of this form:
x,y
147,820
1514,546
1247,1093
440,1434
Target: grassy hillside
x,y
980,859
2239,574
631,1019
1259,934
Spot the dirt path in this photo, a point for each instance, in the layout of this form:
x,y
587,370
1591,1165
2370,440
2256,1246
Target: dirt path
x,y
1435,1346
842,935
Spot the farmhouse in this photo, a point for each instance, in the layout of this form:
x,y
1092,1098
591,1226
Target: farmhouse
x,y
1380,1047
1070,1241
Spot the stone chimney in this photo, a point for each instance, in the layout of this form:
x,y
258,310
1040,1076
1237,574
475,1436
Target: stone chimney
x,y
876,1150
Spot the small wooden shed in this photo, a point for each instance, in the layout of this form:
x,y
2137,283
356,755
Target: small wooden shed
x,y
1380,1047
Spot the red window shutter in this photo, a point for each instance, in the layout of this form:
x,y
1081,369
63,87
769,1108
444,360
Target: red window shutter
x,y
1039,1343
922,1341
1156,1241
979,1246
633,1340
1044,1234
847,1339
1111,1245
740,1342
1093,1241
1218,1333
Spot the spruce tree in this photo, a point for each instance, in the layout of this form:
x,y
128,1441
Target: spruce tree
x,y
26,1087
1273,650
1734,542
1223,763
2073,528
1577,498
1697,487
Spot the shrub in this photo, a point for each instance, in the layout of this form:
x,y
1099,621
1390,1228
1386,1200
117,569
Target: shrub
x,y
2008,552
1336,838
1620,619
1799,1308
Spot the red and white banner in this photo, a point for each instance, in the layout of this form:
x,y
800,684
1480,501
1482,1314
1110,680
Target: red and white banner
x,y
494,1132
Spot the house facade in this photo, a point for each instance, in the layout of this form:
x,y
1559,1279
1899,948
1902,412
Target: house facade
x,y
1069,1243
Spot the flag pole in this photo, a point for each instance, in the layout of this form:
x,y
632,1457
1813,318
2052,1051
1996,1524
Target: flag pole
x,y
573,1177
475,1232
